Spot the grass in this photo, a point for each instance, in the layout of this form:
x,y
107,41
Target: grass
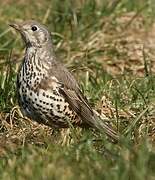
x,y
104,44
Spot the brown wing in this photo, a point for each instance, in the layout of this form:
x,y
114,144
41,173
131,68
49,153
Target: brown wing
x,y
78,104
70,90
59,77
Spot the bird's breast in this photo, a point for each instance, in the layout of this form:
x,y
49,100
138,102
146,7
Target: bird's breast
x,y
45,104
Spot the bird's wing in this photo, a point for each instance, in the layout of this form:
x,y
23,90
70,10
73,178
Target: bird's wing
x,y
78,104
69,89
61,79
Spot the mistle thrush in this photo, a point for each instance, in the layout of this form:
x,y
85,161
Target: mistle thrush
x,y
47,91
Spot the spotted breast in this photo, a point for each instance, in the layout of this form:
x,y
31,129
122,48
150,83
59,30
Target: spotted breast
x,y
38,101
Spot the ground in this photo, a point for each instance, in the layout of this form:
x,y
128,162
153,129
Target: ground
x,y
109,47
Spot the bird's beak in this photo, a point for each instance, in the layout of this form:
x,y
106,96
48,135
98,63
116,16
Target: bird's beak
x,y
15,25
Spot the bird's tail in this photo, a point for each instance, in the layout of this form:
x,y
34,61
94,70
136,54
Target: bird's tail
x,y
100,124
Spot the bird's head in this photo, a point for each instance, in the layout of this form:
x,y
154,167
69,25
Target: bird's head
x,y
33,33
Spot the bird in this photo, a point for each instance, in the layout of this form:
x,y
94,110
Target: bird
x,y
47,92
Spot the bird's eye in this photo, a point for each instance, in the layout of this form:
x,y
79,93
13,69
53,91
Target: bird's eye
x,y
34,28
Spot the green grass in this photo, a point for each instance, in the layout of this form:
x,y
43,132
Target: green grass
x,y
79,161
88,37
